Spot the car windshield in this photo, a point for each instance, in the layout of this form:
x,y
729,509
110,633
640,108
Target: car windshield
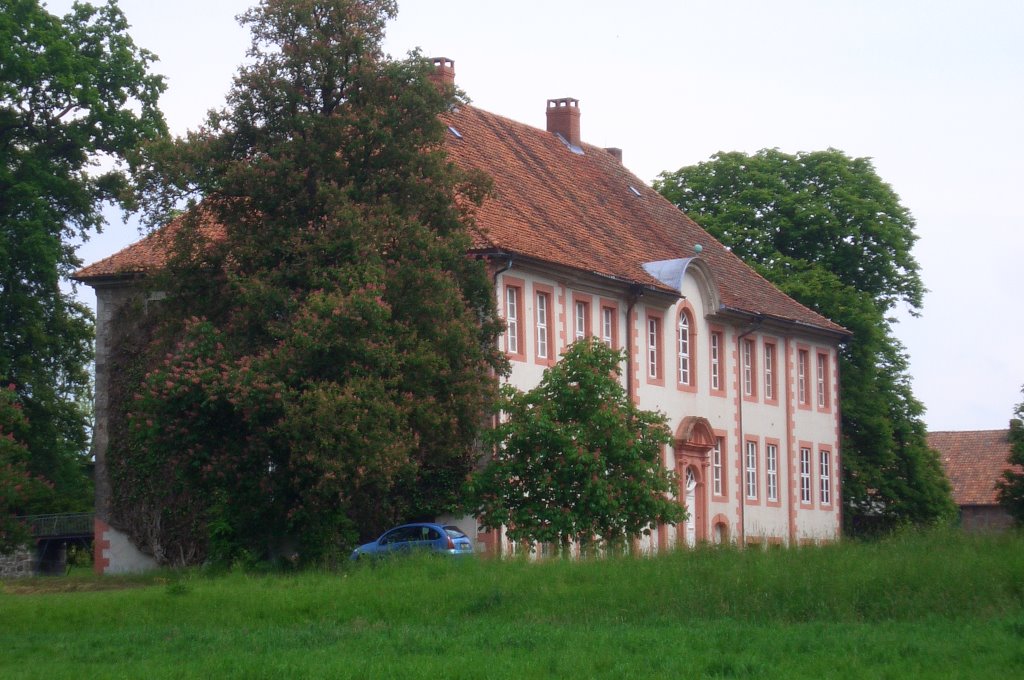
x,y
454,532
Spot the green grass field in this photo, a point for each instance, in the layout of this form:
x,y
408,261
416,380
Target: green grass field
x,y
937,605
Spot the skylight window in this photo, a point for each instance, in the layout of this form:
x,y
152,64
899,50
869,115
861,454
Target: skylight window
x,y
636,192
458,135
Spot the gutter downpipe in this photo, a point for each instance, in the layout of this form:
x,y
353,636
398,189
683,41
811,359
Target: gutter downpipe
x,y
742,444
498,543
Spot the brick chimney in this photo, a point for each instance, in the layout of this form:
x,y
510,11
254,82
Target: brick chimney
x,y
444,72
564,118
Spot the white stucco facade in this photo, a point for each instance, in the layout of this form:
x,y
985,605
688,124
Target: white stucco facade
x,y
743,424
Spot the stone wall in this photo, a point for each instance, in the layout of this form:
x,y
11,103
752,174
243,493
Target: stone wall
x,y
17,564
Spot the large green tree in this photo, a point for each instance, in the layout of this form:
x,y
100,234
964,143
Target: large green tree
x,y
1011,486
824,228
76,98
326,362
575,460
20,490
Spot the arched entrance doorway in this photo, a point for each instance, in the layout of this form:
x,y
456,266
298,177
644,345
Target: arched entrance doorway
x,y
693,443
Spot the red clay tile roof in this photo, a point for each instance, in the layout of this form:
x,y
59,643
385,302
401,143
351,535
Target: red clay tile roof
x,y
581,211
974,461
584,211
146,255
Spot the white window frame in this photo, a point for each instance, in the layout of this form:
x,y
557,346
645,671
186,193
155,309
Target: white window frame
x,y
581,319
751,470
805,475
716,363
803,358
825,477
771,466
748,367
512,319
653,342
716,468
769,371
683,348
607,325
820,377
542,325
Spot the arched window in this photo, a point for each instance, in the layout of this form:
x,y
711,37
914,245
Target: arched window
x,y
684,347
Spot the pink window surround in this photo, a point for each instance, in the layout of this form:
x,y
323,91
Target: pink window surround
x,y
686,349
770,446
716,361
515,318
751,471
581,327
544,316
822,382
803,377
654,343
720,468
608,330
805,474
825,477
748,369
770,367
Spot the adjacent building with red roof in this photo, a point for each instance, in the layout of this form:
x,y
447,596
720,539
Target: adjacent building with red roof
x,y
579,246
974,461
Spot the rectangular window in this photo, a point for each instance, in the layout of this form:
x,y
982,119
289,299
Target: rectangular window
x,y
769,371
749,387
608,326
716,361
717,468
654,371
802,374
543,330
512,318
825,477
751,471
771,466
805,474
683,348
582,326
821,377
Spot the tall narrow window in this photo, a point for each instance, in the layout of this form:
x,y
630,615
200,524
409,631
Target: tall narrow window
x,y
771,467
825,477
822,380
582,328
683,348
716,361
608,326
752,471
805,475
749,388
802,370
654,348
542,325
769,371
512,320
717,468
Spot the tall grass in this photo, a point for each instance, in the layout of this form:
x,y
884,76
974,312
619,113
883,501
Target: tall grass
x,y
917,605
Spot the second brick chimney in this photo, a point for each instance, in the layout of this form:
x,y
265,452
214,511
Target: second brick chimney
x,y
564,118
444,72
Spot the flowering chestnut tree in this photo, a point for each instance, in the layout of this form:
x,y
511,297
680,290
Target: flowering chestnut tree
x,y
576,460
327,351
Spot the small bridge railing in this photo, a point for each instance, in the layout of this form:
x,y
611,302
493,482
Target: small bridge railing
x,y
60,525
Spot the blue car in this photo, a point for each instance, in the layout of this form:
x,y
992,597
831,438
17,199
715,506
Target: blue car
x,y
426,536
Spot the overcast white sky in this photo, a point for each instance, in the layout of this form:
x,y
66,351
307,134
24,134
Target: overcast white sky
x,y
932,90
